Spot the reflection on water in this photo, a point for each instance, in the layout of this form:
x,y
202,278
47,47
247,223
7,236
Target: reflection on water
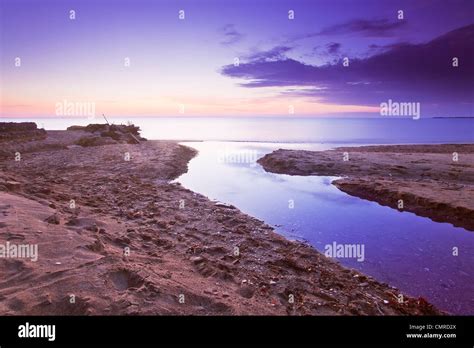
x,y
402,249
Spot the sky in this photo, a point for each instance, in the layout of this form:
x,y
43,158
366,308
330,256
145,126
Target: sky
x,y
236,57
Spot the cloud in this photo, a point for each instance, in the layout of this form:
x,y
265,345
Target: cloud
x,y
333,48
419,72
362,27
330,51
276,53
369,28
231,35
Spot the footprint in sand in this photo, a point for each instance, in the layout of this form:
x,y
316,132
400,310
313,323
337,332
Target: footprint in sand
x,y
124,279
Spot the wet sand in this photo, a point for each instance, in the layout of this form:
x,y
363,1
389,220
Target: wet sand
x,y
423,179
116,237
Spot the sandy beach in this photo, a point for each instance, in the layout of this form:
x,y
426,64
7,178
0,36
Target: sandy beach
x,y
426,179
114,236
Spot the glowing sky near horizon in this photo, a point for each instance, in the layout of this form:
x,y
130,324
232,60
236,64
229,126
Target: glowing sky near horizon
x,y
176,64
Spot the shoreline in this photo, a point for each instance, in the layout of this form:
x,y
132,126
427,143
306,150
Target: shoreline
x,y
181,245
422,179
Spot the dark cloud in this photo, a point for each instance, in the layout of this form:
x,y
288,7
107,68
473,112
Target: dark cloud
x,y
231,35
330,52
363,27
333,48
370,28
274,54
418,72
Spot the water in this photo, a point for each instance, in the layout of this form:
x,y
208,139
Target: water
x,y
407,251
288,129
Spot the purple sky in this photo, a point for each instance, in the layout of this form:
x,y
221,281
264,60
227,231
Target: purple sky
x,y
187,66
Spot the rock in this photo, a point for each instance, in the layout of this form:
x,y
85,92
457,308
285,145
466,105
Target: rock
x,y
13,186
97,246
196,259
53,219
224,205
103,134
17,126
246,291
73,222
92,228
23,131
325,296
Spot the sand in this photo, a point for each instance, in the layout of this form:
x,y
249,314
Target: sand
x,y
425,178
133,243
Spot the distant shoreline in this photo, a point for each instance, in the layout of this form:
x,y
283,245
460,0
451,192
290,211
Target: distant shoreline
x,y
453,117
